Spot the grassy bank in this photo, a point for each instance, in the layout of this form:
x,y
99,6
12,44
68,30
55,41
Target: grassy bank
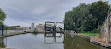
x,y
90,34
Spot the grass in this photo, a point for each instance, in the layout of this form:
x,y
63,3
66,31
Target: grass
x,y
90,34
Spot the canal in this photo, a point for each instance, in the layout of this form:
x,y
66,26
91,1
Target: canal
x,y
41,41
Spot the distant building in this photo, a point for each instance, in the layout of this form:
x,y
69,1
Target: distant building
x,y
32,27
28,29
40,28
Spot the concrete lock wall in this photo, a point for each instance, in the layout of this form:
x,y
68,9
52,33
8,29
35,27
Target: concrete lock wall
x,y
110,33
106,30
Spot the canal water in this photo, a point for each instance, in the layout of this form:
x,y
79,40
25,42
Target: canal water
x,y
49,41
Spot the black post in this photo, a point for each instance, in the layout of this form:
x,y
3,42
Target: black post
x,y
45,27
2,30
55,27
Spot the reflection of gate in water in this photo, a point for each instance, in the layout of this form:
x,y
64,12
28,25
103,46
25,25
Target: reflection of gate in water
x,y
53,37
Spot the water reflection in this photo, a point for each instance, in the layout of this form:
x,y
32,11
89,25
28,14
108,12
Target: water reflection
x,y
30,41
53,36
35,33
76,42
2,43
47,41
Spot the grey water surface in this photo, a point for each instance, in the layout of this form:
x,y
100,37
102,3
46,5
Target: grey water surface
x,y
41,41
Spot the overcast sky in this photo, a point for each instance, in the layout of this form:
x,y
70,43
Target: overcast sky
x,y
24,12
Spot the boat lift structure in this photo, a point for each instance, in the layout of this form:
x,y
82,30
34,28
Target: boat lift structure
x,y
51,32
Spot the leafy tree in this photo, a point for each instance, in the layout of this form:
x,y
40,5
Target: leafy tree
x,y
2,16
68,21
99,10
85,18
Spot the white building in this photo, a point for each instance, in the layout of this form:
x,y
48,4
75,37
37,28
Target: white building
x,y
32,27
40,28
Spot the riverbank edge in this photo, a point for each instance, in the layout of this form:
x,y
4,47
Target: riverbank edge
x,y
92,40
87,36
13,34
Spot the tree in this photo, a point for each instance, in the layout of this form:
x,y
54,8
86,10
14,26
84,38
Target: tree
x,y
68,22
2,16
99,10
85,18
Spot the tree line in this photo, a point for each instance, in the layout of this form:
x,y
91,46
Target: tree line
x,y
86,17
2,18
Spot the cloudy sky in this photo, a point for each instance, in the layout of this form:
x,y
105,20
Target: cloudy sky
x,y
24,12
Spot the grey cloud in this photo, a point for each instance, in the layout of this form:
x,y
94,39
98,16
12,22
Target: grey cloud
x,y
38,11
